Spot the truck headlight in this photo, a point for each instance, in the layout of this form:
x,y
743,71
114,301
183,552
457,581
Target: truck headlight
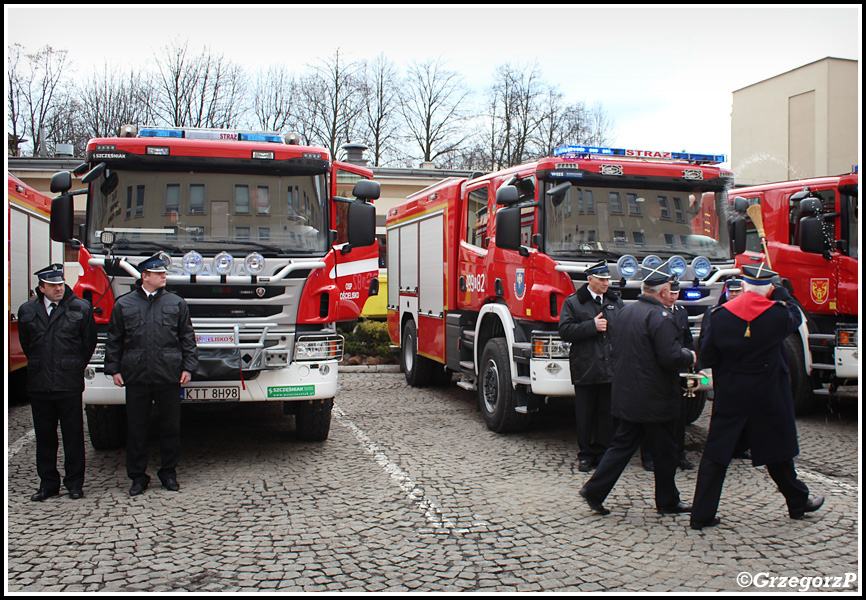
x,y
550,347
223,262
254,263
319,348
846,337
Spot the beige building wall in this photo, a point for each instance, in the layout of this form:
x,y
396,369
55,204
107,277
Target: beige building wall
x,y
800,124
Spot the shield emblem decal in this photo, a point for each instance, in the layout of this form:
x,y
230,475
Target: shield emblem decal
x,y
820,289
519,283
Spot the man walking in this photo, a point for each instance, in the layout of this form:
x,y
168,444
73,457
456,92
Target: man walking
x,y
58,336
586,322
645,395
151,350
742,341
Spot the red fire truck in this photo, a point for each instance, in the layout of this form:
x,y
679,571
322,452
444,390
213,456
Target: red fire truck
x,y
811,231
30,248
479,268
261,244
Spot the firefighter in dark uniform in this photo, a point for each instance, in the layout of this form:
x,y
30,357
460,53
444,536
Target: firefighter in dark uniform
x,y
586,322
151,351
646,394
58,336
743,343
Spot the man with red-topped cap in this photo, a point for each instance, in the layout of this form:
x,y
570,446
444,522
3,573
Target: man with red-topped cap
x,y
742,341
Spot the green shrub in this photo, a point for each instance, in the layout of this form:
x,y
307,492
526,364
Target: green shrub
x,y
369,338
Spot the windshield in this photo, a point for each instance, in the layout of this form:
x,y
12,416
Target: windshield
x,y
609,222
205,211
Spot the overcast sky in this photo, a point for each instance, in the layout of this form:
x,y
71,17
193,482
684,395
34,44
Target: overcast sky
x,y
664,74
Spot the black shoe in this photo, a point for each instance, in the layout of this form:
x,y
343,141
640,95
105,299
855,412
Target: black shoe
x,y
595,505
677,508
648,466
812,504
170,483
701,524
41,494
584,465
685,464
137,488
76,494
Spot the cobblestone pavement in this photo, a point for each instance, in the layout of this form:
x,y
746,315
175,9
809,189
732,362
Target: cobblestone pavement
x,y
411,493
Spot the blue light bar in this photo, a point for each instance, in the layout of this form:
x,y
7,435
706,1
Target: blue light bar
x,y
691,294
166,133
572,151
260,137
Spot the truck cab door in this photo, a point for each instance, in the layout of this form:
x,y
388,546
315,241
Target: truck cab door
x,y
472,281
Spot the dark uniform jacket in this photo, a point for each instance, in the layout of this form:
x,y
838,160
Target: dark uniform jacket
x,y
591,355
150,341
750,376
58,347
648,358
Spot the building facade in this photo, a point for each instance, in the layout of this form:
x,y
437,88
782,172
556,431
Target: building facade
x,y
796,125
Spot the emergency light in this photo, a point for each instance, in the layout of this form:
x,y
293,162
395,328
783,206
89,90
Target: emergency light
x,y
572,151
211,134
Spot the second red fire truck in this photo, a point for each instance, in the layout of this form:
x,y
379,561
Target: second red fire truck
x,y
479,268
811,229
260,243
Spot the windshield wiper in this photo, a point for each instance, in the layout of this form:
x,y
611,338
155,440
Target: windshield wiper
x,y
593,252
124,244
260,246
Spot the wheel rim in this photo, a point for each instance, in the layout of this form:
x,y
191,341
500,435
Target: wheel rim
x,y
409,353
490,386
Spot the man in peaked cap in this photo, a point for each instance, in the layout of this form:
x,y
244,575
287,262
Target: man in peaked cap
x,y
151,351
58,335
742,341
646,393
586,321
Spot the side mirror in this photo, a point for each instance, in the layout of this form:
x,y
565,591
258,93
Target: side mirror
x,y
741,205
61,182
506,196
361,221
738,234
366,189
109,184
61,217
812,236
557,193
508,226
94,173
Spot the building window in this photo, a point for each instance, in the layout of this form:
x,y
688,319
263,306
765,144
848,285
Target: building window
x,y
678,210
139,201
615,203
196,199
242,200
665,210
633,205
263,200
242,233
264,234
639,239
172,199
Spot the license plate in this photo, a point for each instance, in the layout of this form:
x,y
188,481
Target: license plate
x,y
210,394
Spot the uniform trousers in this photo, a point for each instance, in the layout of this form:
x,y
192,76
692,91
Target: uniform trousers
x,y
48,410
139,399
711,477
661,441
594,423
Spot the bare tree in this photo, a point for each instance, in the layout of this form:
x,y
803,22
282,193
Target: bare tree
x,y
274,99
382,100
431,106
516,114
332,103
37,86
110,99
204,90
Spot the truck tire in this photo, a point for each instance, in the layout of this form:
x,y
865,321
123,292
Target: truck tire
x,y
694,406
313,419
801,382
497,398
418,370
106,424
